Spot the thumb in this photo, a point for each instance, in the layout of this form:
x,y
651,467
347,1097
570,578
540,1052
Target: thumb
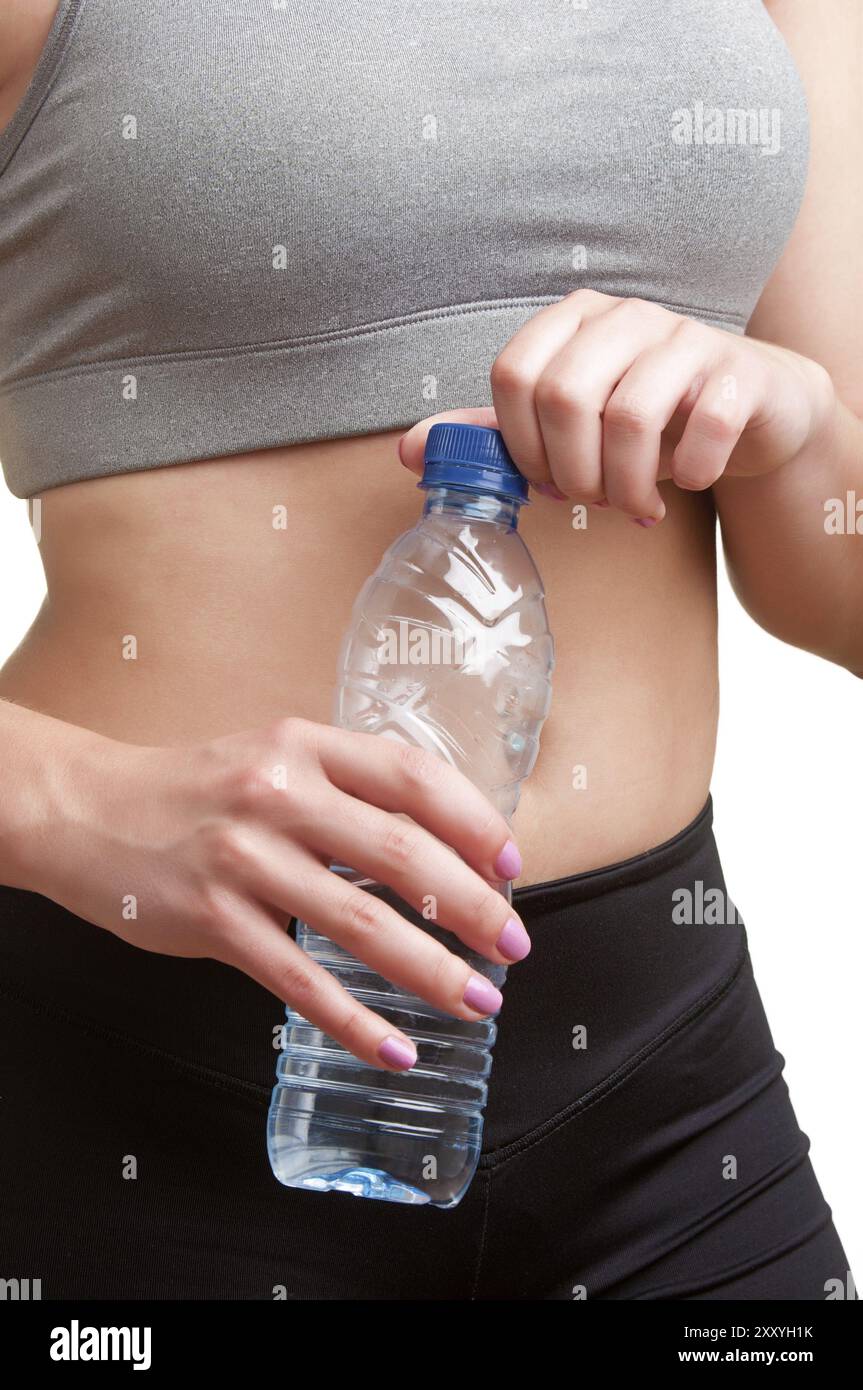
x,y
412,444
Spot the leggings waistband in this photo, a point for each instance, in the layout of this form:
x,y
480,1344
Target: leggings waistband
x,y
578,888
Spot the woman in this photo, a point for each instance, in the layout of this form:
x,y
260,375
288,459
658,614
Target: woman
x,y
242,248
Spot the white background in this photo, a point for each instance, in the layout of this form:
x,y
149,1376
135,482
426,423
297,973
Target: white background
x,y
787,795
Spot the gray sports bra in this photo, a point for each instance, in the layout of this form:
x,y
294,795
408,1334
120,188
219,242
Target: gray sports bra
x,y
226,226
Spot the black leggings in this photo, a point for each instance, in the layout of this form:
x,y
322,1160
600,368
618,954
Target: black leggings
x,y
639,1140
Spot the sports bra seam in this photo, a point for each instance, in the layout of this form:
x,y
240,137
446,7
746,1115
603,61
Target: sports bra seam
x,y
335,337
49,64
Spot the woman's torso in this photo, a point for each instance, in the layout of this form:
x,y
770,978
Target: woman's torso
x,y
236,619
179,606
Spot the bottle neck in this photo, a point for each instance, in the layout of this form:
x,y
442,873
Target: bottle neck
x,y
477,506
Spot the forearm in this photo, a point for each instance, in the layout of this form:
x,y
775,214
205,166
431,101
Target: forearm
x,y
36,753
794,570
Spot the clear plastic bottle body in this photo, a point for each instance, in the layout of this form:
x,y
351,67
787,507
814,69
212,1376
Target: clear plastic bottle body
x,y
449,650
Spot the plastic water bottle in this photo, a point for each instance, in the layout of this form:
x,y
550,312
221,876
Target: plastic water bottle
x,y
449,650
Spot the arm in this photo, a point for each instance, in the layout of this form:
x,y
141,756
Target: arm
x,y
800,581
24,27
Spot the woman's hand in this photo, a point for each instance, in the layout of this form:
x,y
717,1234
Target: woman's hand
x,y
206,850
584,390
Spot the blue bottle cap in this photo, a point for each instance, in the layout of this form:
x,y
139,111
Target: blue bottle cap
x,y
471,458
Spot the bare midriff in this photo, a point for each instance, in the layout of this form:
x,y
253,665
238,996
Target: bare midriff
x,y
205,598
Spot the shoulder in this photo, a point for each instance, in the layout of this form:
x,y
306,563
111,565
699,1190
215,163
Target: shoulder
x,y
24,27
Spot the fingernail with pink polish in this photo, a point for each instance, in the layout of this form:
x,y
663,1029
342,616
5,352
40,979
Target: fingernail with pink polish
x,y
644,520
603,503
397,1053
549,490
508,862
482,996
513,942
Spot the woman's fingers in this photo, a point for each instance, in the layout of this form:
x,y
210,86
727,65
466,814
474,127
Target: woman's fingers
x,y
265,952
640,408
585,389
716,421
369,929
411,445
401,778
572,395
519,367
427,875
291,798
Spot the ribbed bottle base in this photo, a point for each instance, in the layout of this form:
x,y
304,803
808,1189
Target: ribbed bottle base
x,y
401,1158
316,1173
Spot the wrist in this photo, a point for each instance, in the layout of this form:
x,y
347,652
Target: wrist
x,y
46,763
824,420
806,476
